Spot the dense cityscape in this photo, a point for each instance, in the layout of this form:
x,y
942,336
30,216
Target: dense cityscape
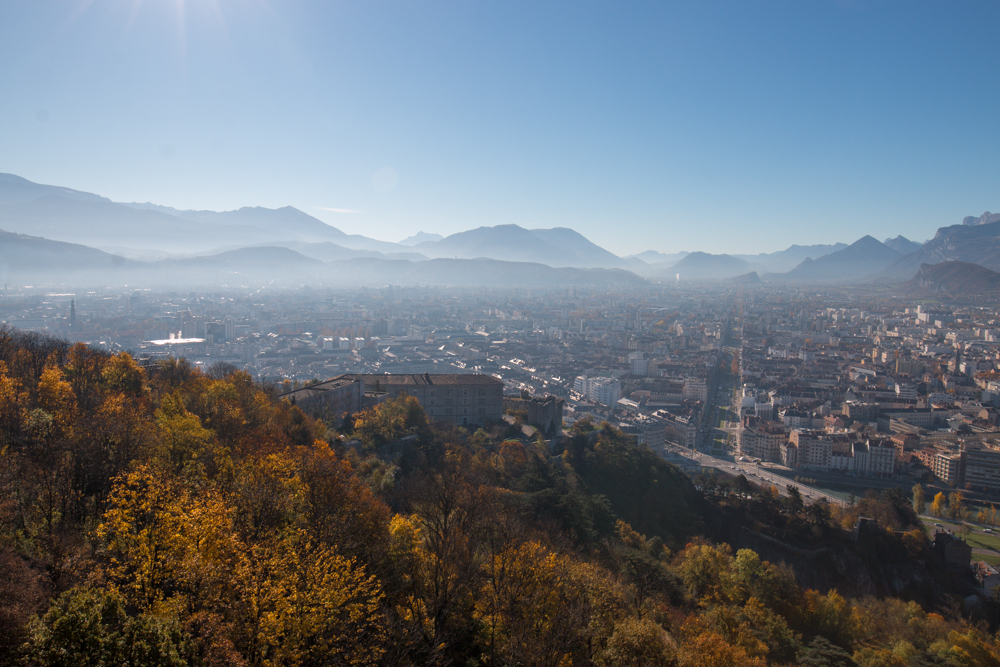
x,y
833,383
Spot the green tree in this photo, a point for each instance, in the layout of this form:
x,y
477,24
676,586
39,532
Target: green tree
x,y
821,653
183,441
794,503
88,627
637,643
390,421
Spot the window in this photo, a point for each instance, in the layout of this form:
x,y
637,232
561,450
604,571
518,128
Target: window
x,y
482,411
447,401
432,401
482,401
465,411
465,401
465,392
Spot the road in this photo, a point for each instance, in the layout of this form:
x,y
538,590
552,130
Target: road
x,y
757,474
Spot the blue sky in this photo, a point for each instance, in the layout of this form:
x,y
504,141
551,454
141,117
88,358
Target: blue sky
x,y
717,126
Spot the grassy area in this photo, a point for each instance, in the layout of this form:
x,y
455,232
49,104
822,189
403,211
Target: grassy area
x,y
976,540
983,541
992,559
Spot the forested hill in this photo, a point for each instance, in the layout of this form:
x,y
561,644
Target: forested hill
x,y
161,515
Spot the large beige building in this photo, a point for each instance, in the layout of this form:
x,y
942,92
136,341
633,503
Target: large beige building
x,y
334,397
459,399
455,398
763,441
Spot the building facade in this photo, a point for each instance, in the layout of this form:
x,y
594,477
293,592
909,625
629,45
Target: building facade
x,y
460,399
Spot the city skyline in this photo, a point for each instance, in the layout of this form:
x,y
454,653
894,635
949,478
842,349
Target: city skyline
x,y
722,128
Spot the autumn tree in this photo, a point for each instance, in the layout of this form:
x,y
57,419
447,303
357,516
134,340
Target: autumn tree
x,y
140,531
530,611
121,374
709,649
919,503
268,495
638,643
339,508
448,510
84,371
956,504
703,568
183,443
304,604
390,421
938,504
14,404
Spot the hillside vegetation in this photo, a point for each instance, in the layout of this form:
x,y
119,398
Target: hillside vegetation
x,y
162,515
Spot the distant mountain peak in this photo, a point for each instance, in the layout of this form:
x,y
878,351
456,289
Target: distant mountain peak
x,y
985,219
421,237
903,245
862,258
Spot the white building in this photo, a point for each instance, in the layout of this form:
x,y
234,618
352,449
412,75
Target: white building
x,y
696,388
604,390
640,367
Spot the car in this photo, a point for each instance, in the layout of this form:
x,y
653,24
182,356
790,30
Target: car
x,y
987,530
938,525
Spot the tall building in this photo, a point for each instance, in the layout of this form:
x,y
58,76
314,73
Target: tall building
x,y
604,390
696,388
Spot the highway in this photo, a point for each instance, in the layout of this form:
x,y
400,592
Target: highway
x,y
755,473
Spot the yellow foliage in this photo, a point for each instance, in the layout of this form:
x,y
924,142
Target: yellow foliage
x,y
710,649
305,604
13,405
56,397
183,441
121,374
140,530
938,505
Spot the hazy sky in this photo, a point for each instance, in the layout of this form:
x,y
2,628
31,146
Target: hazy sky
x,y
717,126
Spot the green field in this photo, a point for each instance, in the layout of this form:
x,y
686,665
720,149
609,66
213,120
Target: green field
x,y
976,540
992,559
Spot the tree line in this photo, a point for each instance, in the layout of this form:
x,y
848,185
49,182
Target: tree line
x,y
164,515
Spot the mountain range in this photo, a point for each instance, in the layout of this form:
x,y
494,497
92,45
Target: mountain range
x,y
952,279
985,219
48,228
975,244
862,258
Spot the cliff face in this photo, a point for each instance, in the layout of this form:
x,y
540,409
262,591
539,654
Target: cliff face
x,y
952,279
